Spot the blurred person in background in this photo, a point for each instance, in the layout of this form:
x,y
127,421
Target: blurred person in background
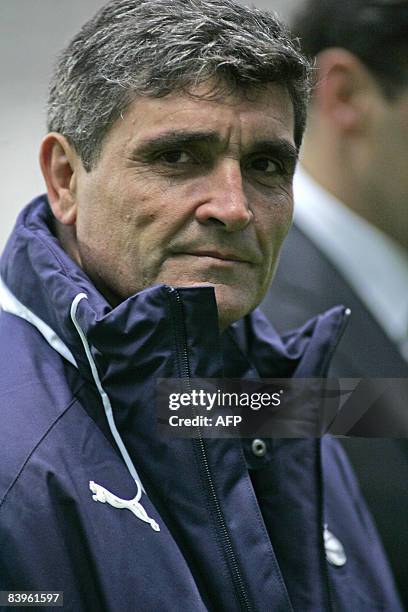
x,y
349,243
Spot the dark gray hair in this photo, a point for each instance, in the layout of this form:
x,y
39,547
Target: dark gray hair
x,y
376,31
155,47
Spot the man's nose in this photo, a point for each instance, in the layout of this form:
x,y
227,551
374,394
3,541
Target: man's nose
x,y
225,202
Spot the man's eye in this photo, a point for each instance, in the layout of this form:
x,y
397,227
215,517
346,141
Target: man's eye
x,y
175,157
267,166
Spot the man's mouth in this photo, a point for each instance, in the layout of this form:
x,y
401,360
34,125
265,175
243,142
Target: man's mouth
x,y
217,255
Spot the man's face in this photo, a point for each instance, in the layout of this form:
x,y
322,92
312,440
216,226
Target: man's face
x,y
190,191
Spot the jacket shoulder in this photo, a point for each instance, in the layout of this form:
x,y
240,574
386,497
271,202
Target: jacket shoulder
x,y
34,393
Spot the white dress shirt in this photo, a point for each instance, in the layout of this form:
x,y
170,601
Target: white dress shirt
x,y
374,265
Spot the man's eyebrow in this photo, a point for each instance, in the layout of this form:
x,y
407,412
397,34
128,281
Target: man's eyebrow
x,y
176,138
280,147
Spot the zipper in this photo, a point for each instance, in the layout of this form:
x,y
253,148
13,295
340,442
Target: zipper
x,y
185,375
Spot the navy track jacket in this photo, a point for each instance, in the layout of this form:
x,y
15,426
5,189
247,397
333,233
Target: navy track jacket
x,y
210,526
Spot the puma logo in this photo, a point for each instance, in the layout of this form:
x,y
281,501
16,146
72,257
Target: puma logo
x,y
104,496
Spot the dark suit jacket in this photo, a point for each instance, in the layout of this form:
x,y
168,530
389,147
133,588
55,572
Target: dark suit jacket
x,y
307,283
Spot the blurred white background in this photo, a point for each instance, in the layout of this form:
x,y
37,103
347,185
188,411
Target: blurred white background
x,y
31,34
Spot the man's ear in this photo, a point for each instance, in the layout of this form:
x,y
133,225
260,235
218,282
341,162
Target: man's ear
x,y
343,90
59,162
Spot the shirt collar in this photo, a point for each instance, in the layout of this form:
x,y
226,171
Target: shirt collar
x,y
375,266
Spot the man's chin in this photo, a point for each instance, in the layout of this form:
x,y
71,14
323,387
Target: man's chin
x,y
233,303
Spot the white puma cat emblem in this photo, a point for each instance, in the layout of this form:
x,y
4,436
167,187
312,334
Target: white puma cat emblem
x,y
104,496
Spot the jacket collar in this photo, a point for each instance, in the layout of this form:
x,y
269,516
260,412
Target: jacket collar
x,y
40,274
